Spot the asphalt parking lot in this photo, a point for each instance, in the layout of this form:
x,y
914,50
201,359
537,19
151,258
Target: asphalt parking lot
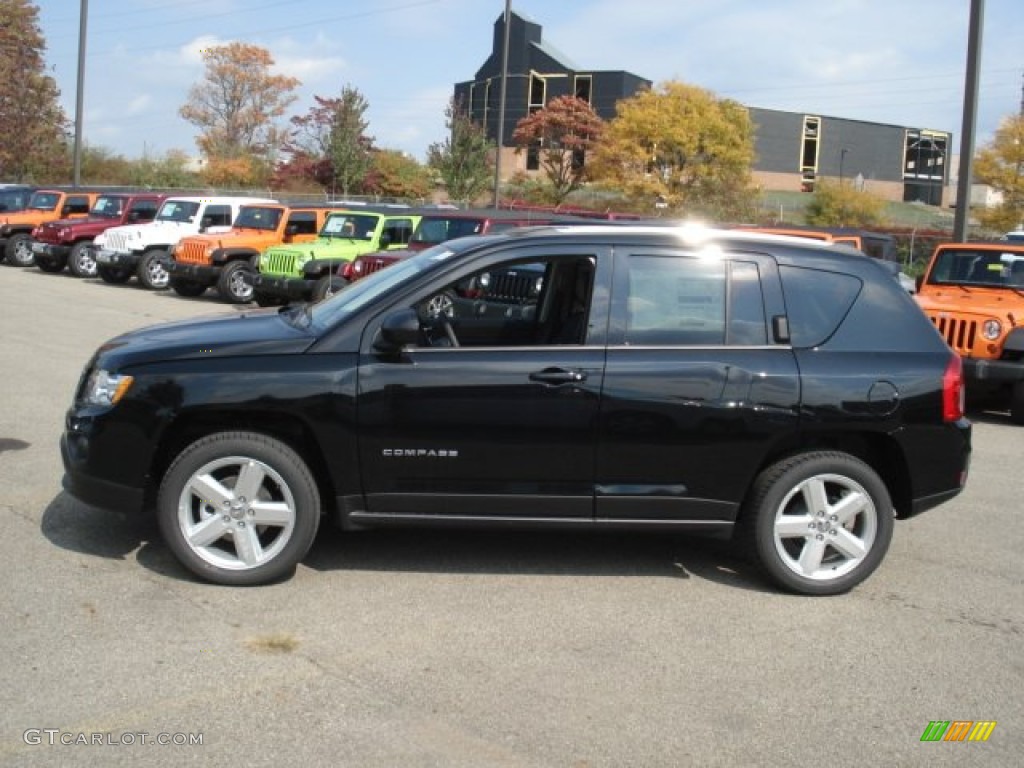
x,y
476,649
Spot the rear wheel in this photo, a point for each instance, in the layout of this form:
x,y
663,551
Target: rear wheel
x,y
19,250
113,275
327,286
82,260
152,272
819,523
239,508
188,288
232,284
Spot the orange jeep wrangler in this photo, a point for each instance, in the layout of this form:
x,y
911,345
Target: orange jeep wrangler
x,y
974,294
44,205
199,261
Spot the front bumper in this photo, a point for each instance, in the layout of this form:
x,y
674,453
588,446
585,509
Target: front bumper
x,y
993,371
200,273
291,288
90,489
50,253
108,258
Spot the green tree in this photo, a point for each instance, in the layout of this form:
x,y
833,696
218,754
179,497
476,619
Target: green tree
x,y
395,174
32,123
237,104
1000,164
563,133
842,205
682,148
463,160
329,143
167,172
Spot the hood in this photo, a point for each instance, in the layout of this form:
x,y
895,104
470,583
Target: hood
x,y
974,300
257,332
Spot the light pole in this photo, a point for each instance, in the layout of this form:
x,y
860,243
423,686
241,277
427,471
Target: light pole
x,y
842,160
80,94
501,106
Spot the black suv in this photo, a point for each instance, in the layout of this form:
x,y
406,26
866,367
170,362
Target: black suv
x,y
635,377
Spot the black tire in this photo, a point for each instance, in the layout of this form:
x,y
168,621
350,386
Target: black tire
x,y
327,286
188,288
205,523
151,272
51,266
266,300
113,275
232,285
19,250
789,535
82,260
1017,403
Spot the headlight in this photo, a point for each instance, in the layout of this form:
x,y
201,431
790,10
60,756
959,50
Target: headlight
x,y
105,388
485,280
991,329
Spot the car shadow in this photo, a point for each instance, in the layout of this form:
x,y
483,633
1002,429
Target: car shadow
x,y
984,414
71,525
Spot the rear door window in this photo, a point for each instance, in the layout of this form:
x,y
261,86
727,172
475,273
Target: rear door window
x,y
816,302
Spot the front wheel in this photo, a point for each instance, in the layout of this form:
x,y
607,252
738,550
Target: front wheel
x,y
152,272
82,259
239,508
1017,403
232,284
820,523
19,250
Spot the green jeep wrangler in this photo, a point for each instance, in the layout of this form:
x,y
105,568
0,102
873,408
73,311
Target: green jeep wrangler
x,y
303,272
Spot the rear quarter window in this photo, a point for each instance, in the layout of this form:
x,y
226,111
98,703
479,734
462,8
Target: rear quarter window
x,y
816,302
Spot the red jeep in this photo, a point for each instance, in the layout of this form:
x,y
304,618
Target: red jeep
x,y
68,242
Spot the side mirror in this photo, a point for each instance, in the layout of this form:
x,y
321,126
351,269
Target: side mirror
x,y
205,222
133,216
399,329
291,230
385,239
919,281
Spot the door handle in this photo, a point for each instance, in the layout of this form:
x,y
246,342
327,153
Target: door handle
x,y
558,376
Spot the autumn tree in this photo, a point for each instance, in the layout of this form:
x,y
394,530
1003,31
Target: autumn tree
x,y
32,123
562,133
1000,164
843,205
330,144
462,160
237,104
396,174
682,147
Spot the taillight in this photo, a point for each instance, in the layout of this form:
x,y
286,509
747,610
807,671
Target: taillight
x,y
347,270
953,390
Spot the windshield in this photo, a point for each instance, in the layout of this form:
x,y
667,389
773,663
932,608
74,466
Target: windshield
x,y
992,269
108,207
178,210
255,217
363,292
436,230
13,200
44,201
358,226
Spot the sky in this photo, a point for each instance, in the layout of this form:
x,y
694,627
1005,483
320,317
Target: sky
x,y
900,62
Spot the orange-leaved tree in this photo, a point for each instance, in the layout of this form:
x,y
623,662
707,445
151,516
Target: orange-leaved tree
x,y
563,132
237,104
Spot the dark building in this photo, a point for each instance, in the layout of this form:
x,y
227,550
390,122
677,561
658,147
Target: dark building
x,y
795,150
537,73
